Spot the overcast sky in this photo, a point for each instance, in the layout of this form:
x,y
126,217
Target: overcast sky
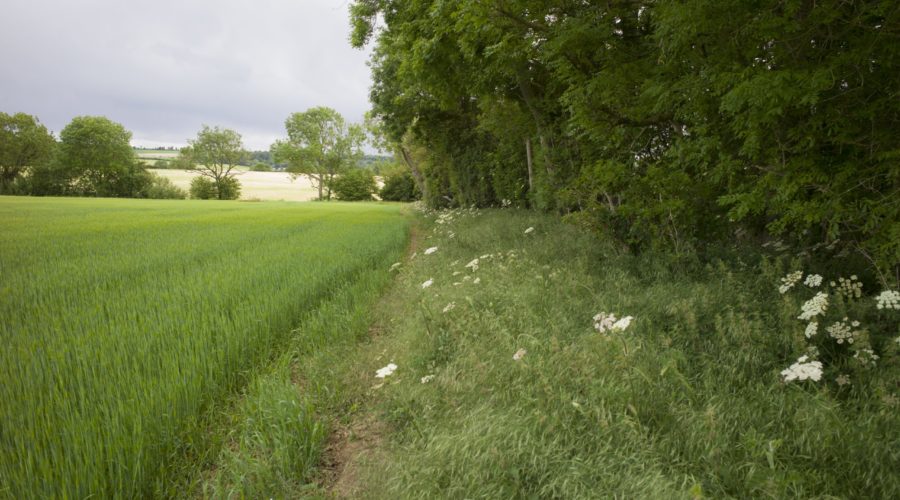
x,y
162,68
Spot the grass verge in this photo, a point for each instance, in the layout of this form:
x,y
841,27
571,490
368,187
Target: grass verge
x,y
687,402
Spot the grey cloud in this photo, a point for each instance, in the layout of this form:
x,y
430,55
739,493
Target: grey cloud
x,y
163,68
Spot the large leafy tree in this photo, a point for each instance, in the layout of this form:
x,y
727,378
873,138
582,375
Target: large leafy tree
x,y
94,159
24,142
659,122
320,145
214,154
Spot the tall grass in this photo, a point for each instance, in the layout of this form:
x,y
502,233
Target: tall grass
x,y
688,402
122,320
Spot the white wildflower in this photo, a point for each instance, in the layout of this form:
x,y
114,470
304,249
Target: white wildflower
x,y
449,307
476,281
428,283
519,354
457,283
395,266
430,251
811,329
622,324
814,306
803,369
888,299
386,371
485,256
473,265
850,288
842,379
427,378
866,357
813,280
789,281
840,331
454,263
608,322
457,273
529,230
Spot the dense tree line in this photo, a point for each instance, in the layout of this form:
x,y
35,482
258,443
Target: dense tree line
x,y
93,157
658,122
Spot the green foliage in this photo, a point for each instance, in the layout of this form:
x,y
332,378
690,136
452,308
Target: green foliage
x,y
162,164
24,142
214,154
356,184
139,331
163,188
204,188
399,185
320,145
94,158
261,167
688,401
182,161
668,124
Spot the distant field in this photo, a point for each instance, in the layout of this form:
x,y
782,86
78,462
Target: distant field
x,y
123,319
156,154
258,185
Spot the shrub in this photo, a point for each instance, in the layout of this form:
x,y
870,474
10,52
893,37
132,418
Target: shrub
x,y
161,164
204,188
162,188
399,186
261,167
356,185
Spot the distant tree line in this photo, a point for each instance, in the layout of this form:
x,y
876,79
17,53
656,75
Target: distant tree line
x,y
93,157
660,123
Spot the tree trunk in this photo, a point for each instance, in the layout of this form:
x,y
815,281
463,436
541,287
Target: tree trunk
x,y
320,185
528,158
528,97
416,173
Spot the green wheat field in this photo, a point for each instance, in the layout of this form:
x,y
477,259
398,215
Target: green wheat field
x,y
123,320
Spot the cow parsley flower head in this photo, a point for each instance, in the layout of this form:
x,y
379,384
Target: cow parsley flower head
x,y
529,230
803,369
386,371
473,265
842,379
813,280
789,281
476,281
519,354
814,306
622,324
811,329
850,288
395,265
840,331
449,307
604,322
429,251
428,283
427,378
888,299
866,357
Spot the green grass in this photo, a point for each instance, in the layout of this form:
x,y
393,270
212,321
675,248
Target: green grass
x,y
124,321
686,403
